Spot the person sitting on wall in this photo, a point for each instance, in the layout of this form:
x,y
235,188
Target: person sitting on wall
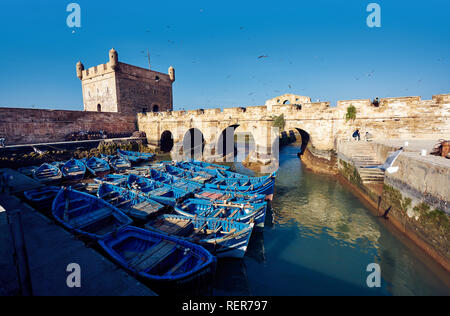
x,y
376,102
368,137
356,135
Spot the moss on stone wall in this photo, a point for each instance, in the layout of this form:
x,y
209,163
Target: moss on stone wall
x,y
432,226
350,173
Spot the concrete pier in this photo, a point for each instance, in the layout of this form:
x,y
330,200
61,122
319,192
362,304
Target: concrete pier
x,y
50,249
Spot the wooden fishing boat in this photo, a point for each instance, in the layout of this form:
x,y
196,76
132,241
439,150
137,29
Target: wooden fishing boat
x,y
245,213
97,166
89,188
58,164
139,171
119,163
87,215
248,186
73,169
208,165
174,181
199,177
229,196
165,261
42,197
115,179
157,191
134,156
28,171
47,173
221,237
129,202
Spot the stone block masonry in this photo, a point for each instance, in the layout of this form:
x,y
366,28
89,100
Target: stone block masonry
x,y
28,126
403,117
120,87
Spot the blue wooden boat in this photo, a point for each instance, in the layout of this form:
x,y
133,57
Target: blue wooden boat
x,y
73,169
139,171
87,215
47,173
28,171
165,261
208,165
58,164
119,163
42,197
229,196
174,181
263,186
129,202
157,191
199,177
97,166
89,188
220,174
134,156
221,237
245,213
115,179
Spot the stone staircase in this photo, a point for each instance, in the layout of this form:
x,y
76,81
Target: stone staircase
x,y
364,155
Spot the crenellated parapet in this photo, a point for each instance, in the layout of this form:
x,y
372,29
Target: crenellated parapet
x,y
408,117
120,87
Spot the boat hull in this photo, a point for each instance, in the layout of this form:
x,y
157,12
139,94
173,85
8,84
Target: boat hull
x,y
123,242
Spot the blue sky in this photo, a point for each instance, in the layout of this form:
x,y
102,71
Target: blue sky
x,y
322,49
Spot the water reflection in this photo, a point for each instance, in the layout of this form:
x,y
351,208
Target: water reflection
x,y
318,240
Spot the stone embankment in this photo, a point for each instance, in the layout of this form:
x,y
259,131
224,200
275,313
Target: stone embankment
x,y
415,199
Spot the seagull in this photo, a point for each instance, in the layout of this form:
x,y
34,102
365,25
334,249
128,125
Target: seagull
x,y
40,152
262,56
387,166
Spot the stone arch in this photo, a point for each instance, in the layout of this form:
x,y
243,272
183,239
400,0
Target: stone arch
x,y
287,102
306,138
99,107
226,143
166,141
156,108
245,142
193,144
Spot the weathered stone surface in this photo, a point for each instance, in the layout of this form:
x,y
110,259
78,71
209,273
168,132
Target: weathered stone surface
x,y
27,126
119,87
406,117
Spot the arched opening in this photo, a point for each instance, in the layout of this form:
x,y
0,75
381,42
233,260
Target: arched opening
x,y
193,144
144,109
156,108
166,141
99,107
226,144
305,138
287,102
244,143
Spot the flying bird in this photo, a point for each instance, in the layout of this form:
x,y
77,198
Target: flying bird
x,y
263,56
387,166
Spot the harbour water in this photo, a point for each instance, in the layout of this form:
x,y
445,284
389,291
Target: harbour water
x,y
319,239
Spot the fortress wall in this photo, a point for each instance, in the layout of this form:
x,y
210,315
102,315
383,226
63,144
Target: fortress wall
x,y
27,126
404,117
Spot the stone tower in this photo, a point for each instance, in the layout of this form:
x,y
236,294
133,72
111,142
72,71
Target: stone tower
x,y
120,87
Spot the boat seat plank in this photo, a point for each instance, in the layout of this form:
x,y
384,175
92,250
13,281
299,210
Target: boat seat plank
x,y
178,265
152,256
89,218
